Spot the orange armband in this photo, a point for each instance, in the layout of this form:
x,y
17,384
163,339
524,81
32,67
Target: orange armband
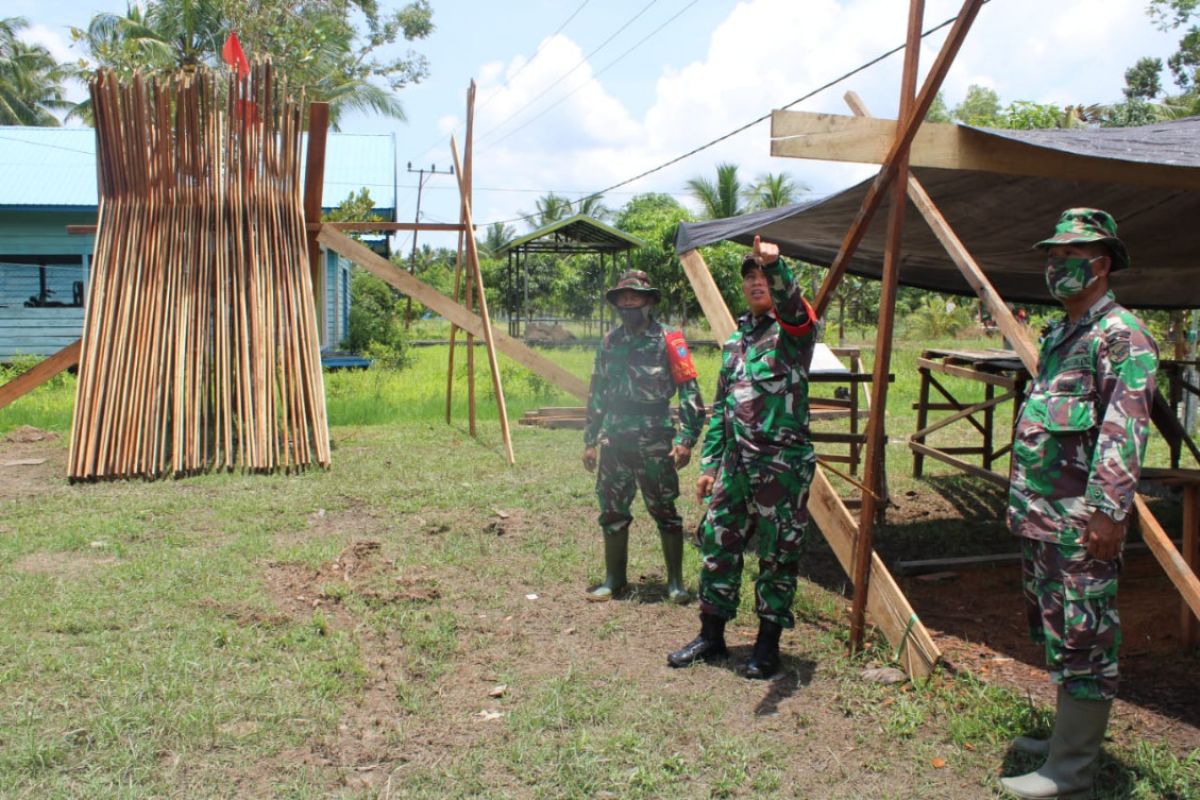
x,y
680,358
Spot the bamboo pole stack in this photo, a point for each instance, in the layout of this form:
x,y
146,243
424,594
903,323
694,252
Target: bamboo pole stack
x,y
200,344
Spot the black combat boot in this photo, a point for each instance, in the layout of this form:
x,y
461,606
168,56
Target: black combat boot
x,y
764,661
709,645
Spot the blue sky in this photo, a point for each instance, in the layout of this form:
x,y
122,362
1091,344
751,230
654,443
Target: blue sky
x,y
566,112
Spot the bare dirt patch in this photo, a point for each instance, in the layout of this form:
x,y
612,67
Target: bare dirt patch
x,y
32,462
65,566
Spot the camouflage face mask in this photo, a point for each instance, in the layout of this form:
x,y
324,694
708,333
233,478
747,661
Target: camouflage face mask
x,y
1068,276
634,317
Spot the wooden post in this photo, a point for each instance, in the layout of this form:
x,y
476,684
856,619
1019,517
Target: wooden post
x,y
922,420
989,413
906,130
314,184
40,373
872,471
488,335
468,178
1191,556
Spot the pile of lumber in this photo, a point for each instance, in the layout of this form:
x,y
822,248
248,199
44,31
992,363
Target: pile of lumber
x,y
200,345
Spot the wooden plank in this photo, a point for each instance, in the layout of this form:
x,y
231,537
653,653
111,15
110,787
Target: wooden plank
x,y
966,412
889,609
388,272
979,472
967,372
1164,550
1191,556
40,373
836,137
711,302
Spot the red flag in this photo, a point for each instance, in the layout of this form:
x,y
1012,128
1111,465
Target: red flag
x,y
231,54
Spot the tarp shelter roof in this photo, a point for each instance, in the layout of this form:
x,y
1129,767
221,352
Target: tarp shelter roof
x,y
999,217
578,234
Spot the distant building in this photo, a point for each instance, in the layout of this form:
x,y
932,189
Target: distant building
x,y
48,181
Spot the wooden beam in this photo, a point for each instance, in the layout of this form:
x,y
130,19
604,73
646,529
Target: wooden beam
x,y
836,137
1164,550
887,605
904,136
889,608
963,412
314,185
1191,556
477,275
874,463
40,373
978,472
711,302
380,267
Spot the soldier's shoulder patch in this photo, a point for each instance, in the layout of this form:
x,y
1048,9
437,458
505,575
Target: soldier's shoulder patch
x,y
1118,345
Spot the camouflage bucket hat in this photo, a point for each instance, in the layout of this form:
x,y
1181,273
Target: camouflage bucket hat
x,y
634,281
1082,225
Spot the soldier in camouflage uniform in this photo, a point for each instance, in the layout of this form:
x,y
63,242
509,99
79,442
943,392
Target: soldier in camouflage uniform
x,y
629,418
1077,454
757,463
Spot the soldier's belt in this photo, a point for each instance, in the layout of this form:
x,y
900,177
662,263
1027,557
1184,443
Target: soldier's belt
x,y
640,408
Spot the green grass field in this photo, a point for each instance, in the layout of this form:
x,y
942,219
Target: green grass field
x,y
410,623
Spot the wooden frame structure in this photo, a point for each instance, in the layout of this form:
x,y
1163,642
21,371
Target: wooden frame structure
x,y
960,156
995,370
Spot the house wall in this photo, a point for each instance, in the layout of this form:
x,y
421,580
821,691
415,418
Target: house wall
x,y
25,239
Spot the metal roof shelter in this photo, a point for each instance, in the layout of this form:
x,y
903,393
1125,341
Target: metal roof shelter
x,y
578,235
1147,177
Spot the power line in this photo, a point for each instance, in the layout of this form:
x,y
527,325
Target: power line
x,y
745,127
568,73
595,75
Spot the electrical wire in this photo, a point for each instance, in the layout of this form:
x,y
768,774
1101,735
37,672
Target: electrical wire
x,y
747,126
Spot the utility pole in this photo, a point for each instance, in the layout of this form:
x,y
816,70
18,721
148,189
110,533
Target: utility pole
x,y
422,175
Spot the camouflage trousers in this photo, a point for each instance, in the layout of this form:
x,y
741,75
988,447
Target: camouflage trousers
x,y
766,502
1071,604
629,464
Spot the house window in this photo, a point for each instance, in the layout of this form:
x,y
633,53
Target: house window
x,y
41,281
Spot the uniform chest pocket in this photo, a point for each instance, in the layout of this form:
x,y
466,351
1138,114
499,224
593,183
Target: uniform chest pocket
x,y
766,373
1069,404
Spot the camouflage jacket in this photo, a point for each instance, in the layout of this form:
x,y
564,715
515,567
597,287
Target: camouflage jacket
x,y
760,409
632,389
1081,434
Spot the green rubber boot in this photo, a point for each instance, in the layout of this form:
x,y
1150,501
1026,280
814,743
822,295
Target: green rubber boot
x,y
672,546
616,556
1070,769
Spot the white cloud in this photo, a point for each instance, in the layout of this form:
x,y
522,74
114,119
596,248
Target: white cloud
x,y
764,54
52,40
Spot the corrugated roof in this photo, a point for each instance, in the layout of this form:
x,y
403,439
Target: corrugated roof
x,y
56,168
578,234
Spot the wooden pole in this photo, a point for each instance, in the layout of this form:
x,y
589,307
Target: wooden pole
x,y
468,176
488,334
872,470
314,183
905,133
39,373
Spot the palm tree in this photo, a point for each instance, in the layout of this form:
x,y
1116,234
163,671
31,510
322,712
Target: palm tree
x,y
773,191
721,199
31,81
593,206
550,208
498,235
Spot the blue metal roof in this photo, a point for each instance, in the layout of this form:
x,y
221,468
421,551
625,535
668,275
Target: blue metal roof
x,y
55,168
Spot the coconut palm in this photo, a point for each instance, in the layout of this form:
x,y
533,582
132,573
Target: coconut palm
x,y
720,199
773,191
31,81
550,208
593,206
498,235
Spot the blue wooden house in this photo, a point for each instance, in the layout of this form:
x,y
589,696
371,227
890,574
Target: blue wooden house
x,y
48,181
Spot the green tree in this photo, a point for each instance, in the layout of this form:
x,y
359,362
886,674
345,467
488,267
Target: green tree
x,y
772,191
31,81
317,45
937,110
1142,79
593,206
719,199
981,107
